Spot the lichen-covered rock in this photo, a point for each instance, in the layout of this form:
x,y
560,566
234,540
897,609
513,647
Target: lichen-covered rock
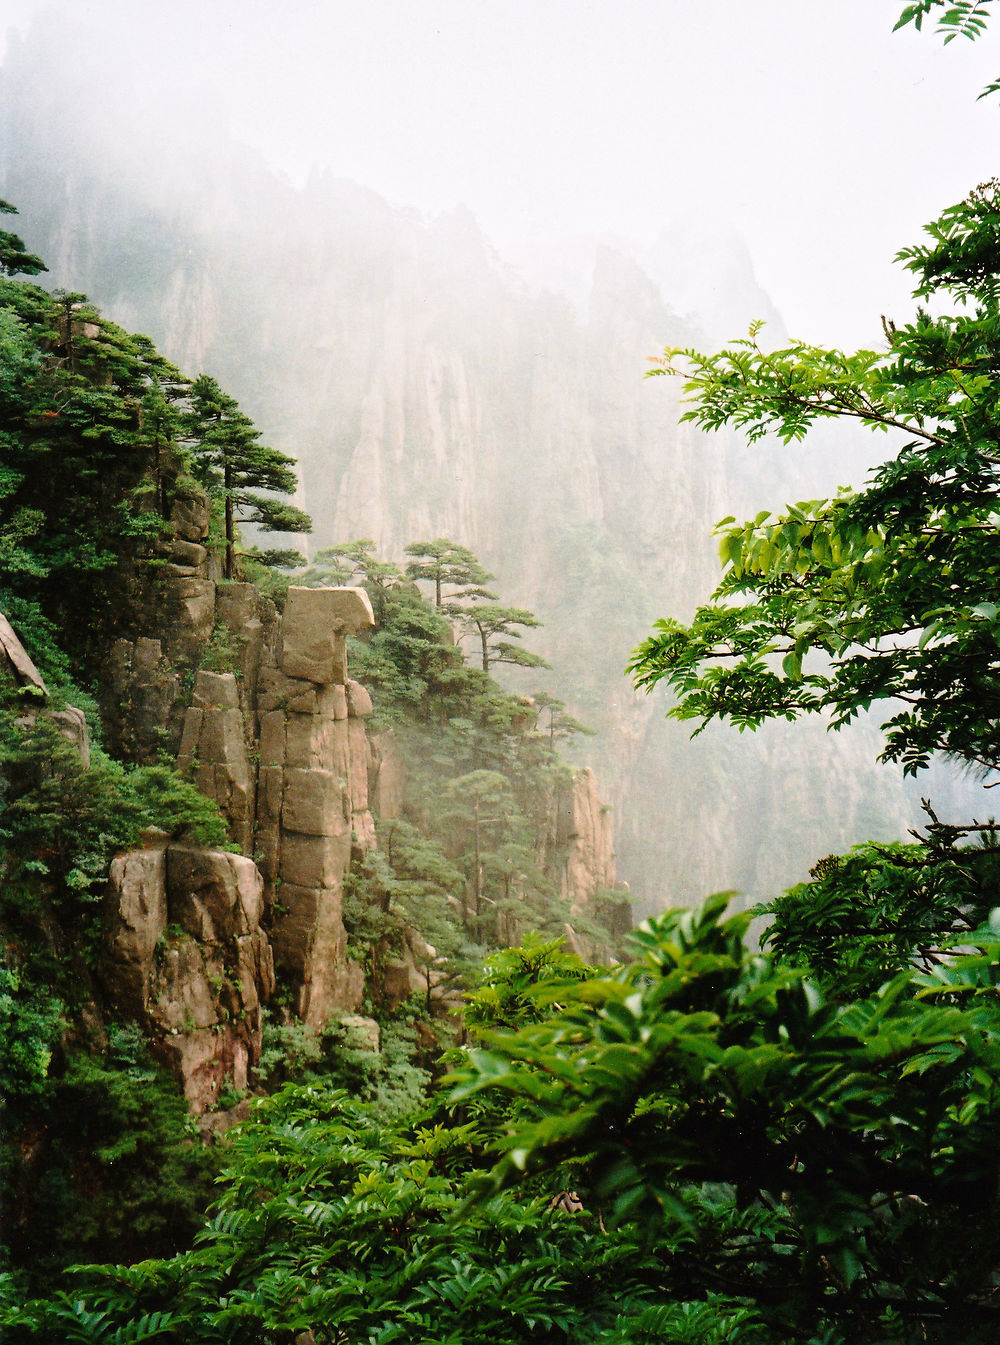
x,y
314,628
138,917
184,954
190,555
139,689
357,765
190,515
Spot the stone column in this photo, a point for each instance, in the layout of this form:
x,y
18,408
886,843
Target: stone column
x,y
313,795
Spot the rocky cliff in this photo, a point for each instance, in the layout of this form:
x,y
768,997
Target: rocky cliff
x,y
262,715
282,750
427,390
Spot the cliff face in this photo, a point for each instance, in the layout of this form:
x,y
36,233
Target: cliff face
x,y
426,391
186,956
263,716
313,795
274,734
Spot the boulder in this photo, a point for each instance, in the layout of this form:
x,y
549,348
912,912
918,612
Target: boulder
x,y
185,956
359,703
15,660
313,630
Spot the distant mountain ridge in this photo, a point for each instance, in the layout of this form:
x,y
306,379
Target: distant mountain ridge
x,y
427,389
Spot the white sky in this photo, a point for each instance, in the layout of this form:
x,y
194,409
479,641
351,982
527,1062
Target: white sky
x,y
805,126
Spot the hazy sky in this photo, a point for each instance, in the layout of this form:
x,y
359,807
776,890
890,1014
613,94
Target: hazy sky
x,y
805,126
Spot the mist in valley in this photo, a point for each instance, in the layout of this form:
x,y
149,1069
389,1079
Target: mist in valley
x,y
431,247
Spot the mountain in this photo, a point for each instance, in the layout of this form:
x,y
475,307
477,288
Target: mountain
x,y
428,388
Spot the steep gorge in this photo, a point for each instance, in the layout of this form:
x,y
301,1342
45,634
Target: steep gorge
x,y
426,390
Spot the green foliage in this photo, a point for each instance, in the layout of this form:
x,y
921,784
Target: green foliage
x,y
63,821
86,403
493,626
443,562
222,652
559,722
520,985
955,18
752,1162
389,1080
174,805
409,665
462,864
95,1155
355,563
883,908
234,466
100,1165
30,1026
705,1089
333,1223
14,259
406,884
886,594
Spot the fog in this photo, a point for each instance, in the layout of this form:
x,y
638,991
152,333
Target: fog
x,y
676,169
808,130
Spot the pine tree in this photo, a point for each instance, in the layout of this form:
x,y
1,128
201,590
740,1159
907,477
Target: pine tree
x,y
445,562
14,260
494,627
236,467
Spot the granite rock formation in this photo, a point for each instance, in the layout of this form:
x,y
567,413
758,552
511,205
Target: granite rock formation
x,y
184,954
214,752
313,794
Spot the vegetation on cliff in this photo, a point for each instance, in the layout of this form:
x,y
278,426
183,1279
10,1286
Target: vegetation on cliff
x,y
468,847
706,1144
103,442
95,1154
